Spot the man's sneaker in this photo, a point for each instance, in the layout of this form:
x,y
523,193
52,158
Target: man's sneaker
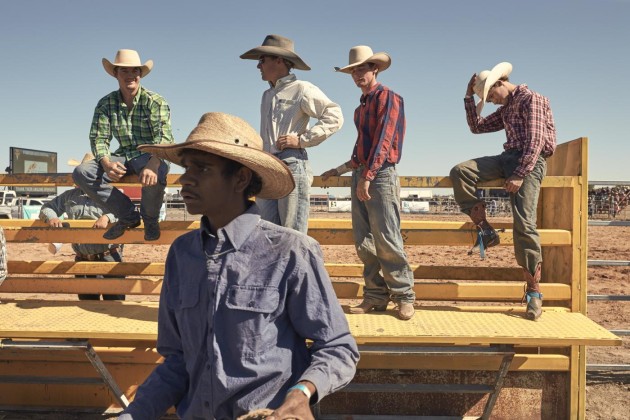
x,y
151,231
120,227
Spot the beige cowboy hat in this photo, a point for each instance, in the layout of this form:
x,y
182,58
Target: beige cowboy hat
x,y
279,46
127,58
487,78
232,138
363,54
86,158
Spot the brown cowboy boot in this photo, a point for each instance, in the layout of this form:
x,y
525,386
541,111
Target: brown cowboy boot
x,y
489,235
532,294
367,306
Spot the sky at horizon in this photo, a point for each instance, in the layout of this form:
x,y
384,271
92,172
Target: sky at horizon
x,y
574,52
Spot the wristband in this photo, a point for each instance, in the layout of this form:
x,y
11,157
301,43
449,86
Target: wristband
x,y
302,388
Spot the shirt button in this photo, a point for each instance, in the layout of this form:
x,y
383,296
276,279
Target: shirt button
x,y
251,304
208,366
206,403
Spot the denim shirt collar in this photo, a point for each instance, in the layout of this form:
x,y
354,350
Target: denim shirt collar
x,y
237,231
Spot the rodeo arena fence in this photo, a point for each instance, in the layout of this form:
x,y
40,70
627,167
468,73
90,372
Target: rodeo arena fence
x,y
468,337
608,206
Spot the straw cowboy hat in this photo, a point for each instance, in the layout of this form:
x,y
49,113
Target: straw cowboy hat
x,y
232,138
487,78
279,46
127,58
363,54
86,158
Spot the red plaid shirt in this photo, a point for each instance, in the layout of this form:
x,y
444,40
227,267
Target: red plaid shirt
x,y
380,122
528,123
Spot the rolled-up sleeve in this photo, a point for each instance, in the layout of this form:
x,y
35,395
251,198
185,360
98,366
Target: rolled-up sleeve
x,y
316,104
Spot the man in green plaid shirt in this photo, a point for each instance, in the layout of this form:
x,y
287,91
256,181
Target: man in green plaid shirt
x,y
134,116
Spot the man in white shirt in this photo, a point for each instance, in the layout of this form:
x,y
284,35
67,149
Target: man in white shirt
x,y
285,111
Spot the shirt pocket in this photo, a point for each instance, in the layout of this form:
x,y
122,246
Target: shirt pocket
x,y
251,313
284,109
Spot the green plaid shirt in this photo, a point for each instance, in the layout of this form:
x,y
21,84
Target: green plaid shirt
x,y
148,122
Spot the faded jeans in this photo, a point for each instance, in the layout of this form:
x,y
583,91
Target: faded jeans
x,y
93,180
292,210
378,241
524,202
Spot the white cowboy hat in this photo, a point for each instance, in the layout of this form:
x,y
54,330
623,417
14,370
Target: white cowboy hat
x,y
232,138
363,54
279,46
127,58
487,78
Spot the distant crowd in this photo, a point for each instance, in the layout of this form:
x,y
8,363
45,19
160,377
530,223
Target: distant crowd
x,y
608,201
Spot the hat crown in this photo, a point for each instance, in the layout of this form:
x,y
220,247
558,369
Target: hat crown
x,y
278,41
359,54
227,129
480,82
127,58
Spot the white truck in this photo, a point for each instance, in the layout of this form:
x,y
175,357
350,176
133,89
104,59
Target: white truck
x,y
8,199
14,207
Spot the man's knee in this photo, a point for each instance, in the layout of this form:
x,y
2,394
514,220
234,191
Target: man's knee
x,y
78,175
456,171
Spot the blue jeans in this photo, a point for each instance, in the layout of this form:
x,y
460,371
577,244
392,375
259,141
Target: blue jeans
x,y
465,177
378,241
93,180
292,210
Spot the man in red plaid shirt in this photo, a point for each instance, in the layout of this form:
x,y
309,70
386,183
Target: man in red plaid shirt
x,y
529,127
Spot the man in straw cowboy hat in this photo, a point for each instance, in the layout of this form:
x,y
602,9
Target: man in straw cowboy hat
x,y
134,116
529,126
77,205
285,111
380,122
241,295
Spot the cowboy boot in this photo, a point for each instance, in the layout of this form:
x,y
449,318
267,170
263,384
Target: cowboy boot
x,y
367,306
532,294
489,235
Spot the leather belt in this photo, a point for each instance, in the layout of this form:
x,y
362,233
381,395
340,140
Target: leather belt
x,y
99,256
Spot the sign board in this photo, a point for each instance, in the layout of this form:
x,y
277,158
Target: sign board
x,y
28,161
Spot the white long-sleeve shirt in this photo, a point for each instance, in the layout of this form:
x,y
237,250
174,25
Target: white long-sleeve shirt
x,y
287,108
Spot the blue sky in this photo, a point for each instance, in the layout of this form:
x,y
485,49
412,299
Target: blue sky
x,y
574,52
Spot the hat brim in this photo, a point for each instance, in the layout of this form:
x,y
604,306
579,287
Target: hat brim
x,y
255,53
502,69
381,59
145,68
277,180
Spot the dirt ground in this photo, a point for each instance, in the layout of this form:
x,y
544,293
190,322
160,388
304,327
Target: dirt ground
x,y
608,393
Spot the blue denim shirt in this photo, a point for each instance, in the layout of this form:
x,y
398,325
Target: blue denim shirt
x,y
235,312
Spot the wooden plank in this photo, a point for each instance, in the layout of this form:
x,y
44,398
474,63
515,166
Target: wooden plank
x,y
65,180
521,362
459,291
86,268
325,236
439,291
334,270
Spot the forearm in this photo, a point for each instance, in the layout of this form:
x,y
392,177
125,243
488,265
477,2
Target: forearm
x,y
329,121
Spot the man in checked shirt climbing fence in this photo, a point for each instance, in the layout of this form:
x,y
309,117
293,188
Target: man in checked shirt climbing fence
x,y
528,122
